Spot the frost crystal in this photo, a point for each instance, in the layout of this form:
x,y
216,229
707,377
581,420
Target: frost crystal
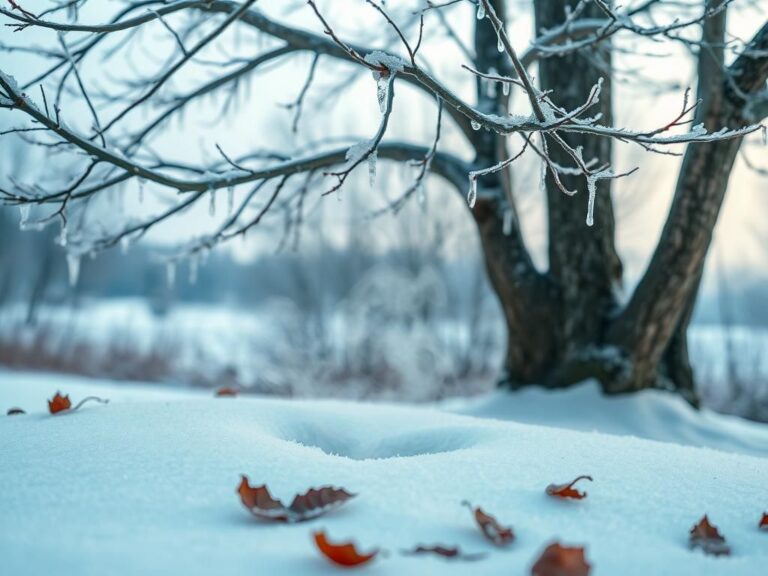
x,y
472,194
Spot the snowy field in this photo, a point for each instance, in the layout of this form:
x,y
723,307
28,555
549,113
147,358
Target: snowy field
x,y
278,349
147,483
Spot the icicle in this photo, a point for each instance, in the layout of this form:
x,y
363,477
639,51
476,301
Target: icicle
x,y
382,89
212,205
500,45
24,210
480,10
508,214
505,88
372,158
170,273
475,125
73,268
62,239
543,178
472,194
141,191
421,196
592,188
125,244
230,200
193,269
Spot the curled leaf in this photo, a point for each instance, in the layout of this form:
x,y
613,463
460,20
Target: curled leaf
x,y
15,411
567,490
763,525
490,527
453,553
342,554
226,391
61,403
314,503
557,560
707,537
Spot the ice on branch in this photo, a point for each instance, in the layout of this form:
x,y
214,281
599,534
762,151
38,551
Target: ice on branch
x,y
387,66
472,194
592,180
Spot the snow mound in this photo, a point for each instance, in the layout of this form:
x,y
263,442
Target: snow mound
x,y
651,414
148,487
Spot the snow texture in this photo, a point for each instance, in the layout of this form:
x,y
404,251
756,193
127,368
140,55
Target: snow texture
x,y
146,484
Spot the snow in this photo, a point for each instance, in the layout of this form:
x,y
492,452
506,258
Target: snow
x,y
146,484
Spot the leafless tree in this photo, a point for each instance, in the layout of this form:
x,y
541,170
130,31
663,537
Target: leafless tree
x,y
565,323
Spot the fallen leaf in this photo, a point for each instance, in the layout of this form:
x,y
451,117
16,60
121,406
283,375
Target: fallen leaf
x,y
764,522
342,554
314,503
706,536
226,391
495,532
454,553
61,403
557,560
567,490
15,411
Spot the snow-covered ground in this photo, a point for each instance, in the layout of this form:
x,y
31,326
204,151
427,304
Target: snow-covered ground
x,y
146,484
347,352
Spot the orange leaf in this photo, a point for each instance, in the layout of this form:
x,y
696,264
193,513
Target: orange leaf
x,y
706,536
557,560
226,391
15,411
490,527
342,554
314,503
567,490
764,522
454,553
59,403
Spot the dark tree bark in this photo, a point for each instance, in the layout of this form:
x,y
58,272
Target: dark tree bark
x,y
567,324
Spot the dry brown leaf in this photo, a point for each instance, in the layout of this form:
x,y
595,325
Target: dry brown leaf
x,y
763,525
314,503
490,527
226,391
557,560
342,554
61,403
707,537
15,411
567,490
453,553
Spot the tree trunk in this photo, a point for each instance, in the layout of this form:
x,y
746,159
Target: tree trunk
x,y
567,325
